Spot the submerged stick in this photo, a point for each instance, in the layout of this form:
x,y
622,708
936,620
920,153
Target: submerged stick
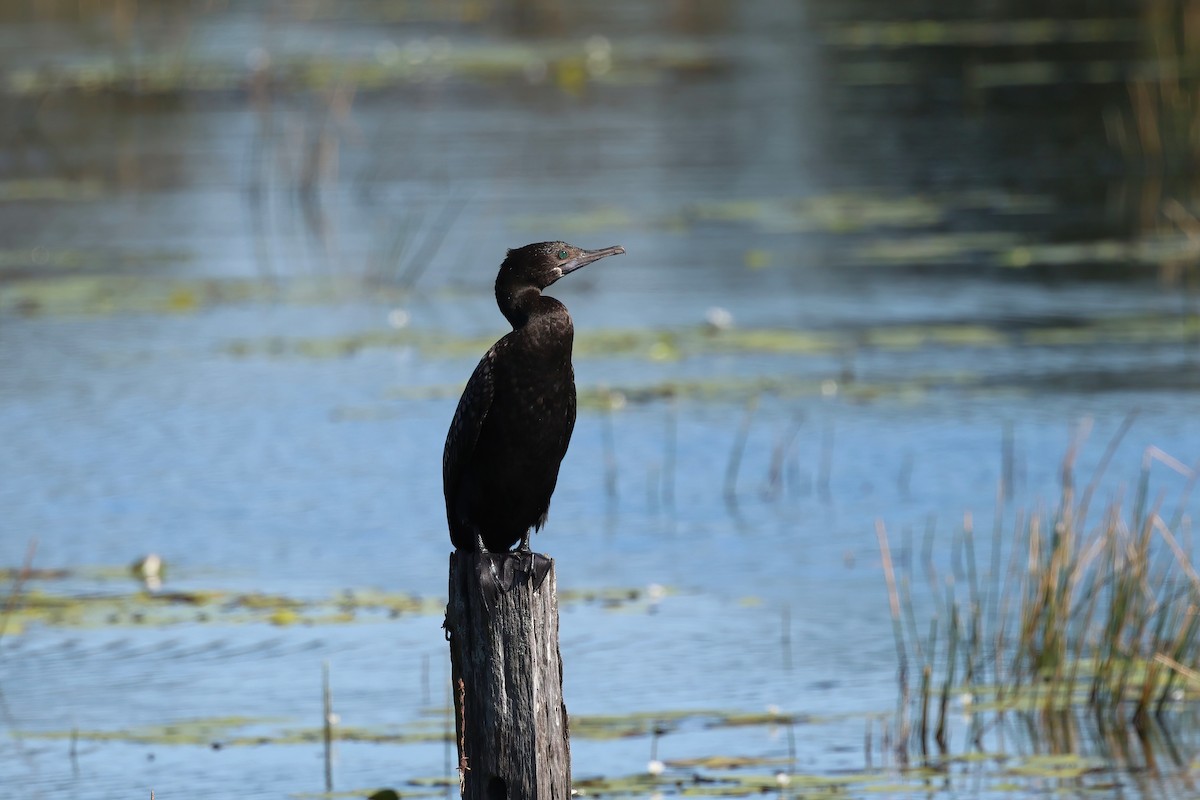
x,y
774,485
432,241
671,445
825,466
1101,467
735,454
1006,462
327,703
610,454
885,555
785,638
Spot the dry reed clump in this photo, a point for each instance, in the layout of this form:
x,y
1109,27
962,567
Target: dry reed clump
x,y
1079,613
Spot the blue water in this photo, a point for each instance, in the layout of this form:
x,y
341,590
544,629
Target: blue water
x,y
132,425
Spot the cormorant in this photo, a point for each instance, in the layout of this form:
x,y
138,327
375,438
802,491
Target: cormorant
x,y
514,419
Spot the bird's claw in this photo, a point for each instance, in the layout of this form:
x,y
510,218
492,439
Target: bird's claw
x,y
506,571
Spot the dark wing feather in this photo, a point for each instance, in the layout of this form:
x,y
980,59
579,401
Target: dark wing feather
x,y
563,443
472,409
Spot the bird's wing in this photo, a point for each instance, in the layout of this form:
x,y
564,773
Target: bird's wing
x,y
472,409
570,420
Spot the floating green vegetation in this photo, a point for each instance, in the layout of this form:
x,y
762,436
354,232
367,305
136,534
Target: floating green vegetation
x,y
677,344
1068,765
1009,250
722,776
657,723
59,189
37,260
695,779
91,294
202,731
978,33
1094,611
634,343
1047,73
1149,250
569,64
720,388
716,775
229,731
598,219
841,213
618,786
936,248
32,574
743,720
35,605
315,735
632,598
623,726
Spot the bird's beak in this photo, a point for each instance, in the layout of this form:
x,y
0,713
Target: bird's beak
x,y
586,257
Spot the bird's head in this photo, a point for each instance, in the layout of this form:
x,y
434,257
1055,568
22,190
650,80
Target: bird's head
x,y
542,263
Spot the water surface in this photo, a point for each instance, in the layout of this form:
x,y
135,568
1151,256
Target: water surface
x,y
247,265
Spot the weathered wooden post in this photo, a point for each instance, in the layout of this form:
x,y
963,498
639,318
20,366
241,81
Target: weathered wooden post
x,y
509,715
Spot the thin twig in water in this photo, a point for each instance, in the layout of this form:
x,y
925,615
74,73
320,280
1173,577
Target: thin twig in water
x,y
785,639
825,466
1006,462
10,603
735,454
1191,674
889,575
1180,556
10,607
610,453
774,485
791,731
1124,427
867,743
976,601
671,445
432,241
327,705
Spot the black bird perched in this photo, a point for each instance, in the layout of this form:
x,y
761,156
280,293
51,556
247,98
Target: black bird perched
x,y
514,419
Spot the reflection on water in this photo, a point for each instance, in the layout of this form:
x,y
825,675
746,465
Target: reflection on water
x,y
246,259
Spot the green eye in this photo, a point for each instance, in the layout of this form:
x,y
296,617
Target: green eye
x,y
562,255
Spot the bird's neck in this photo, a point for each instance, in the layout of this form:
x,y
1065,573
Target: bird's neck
x,y
523,304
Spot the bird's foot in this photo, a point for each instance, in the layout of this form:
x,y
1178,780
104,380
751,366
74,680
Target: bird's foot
x,y
500,573
539,568
536,564
507,571
489,576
